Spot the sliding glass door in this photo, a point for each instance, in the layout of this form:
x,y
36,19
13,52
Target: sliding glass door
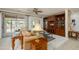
x,y
11,25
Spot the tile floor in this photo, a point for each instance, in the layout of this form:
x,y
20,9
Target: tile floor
x,y
6,44
58,41
70,45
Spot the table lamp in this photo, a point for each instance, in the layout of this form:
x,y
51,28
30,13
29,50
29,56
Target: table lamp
x,y
37,29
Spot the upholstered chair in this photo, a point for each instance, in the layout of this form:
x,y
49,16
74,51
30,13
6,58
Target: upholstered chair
x,y
26,35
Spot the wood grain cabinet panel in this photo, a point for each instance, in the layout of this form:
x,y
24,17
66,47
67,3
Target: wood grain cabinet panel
x,y
55,24
39,44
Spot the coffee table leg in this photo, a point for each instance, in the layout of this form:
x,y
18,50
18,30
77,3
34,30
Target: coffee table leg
x,y
13,43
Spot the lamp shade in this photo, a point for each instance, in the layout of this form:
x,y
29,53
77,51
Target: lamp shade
x,y
37,28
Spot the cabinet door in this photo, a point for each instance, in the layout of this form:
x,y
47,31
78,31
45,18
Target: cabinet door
x,y
57,31
62,32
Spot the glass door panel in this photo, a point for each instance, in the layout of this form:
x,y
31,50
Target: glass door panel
x,y
7,26
14,26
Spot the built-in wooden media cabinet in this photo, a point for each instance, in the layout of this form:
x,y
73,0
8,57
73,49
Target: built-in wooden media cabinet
x,y
55,24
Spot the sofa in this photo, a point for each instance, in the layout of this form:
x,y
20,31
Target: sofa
x,y
27,37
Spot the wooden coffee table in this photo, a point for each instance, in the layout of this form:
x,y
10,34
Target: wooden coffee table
x,y
39,44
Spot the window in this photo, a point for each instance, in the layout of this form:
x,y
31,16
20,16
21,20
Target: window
x,y
11,25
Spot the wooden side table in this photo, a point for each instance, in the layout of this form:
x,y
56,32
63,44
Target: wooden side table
x,y
73,34
15,38
39,44
77,35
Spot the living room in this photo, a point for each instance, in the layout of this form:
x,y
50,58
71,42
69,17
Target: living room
x,y
53,23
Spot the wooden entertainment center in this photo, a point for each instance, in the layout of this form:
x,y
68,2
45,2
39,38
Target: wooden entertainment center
x,y
55,24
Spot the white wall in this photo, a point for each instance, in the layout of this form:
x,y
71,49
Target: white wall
x,y
75,15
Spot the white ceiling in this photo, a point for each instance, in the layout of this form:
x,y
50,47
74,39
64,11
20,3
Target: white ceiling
x,y
29,11
73,10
